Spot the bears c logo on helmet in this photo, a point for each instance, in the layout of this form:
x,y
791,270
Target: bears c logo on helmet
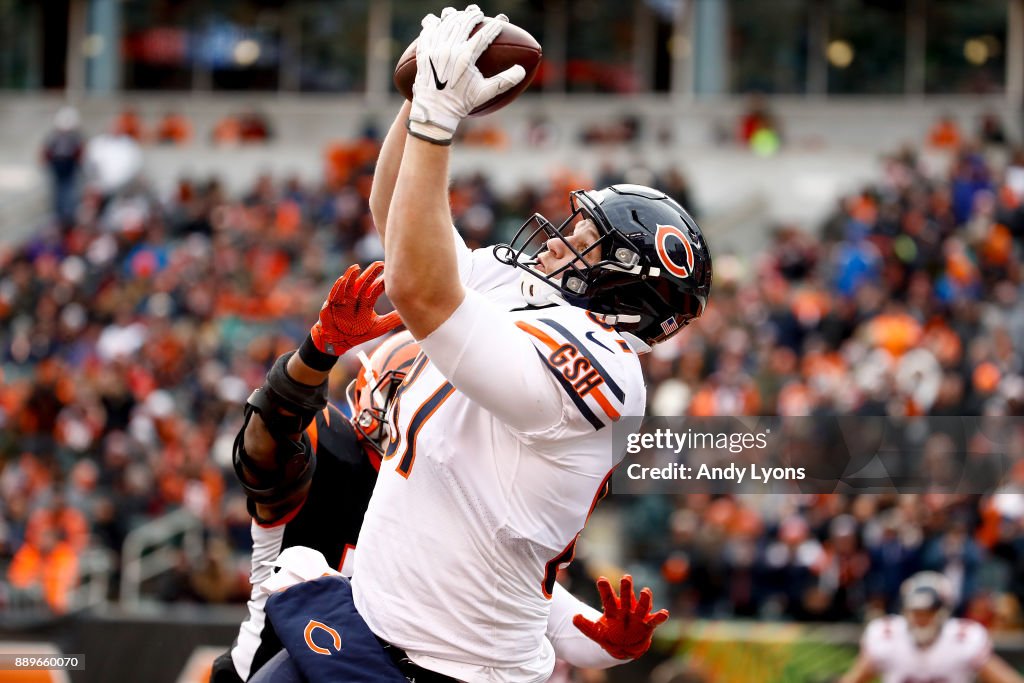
x,y
674,250
312,626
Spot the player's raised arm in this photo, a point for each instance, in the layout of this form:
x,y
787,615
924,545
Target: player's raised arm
x,y
422,270
272,460
386,172
462,335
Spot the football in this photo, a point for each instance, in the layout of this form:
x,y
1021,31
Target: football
x,y
512,46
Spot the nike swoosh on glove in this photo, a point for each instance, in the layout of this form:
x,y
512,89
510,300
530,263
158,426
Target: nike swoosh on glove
x,y
626,628
448,83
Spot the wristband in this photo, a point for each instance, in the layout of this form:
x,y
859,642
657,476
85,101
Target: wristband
x,y
314,357
426,131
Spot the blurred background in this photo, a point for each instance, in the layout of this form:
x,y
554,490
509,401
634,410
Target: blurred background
x,y
181,182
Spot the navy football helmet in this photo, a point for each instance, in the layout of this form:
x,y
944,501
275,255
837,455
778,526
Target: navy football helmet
x,y
653,273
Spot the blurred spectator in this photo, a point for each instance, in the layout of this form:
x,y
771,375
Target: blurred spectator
x,y
676,185
541,133
990,130
857,260
955,554
128,124
344,159
47,566
759,128
113,161
248,127
970,176
625,130
841,569
1015,186
254,127
894,549
227,131
62,153
483,135
174,129
218,579
788,561
60,519
945,134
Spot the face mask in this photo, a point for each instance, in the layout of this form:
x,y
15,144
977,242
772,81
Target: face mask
x,y
924,635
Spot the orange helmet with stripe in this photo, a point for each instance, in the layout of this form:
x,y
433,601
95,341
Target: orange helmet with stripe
x,y
371,392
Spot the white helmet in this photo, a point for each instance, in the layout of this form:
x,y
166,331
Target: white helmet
x,y
927,602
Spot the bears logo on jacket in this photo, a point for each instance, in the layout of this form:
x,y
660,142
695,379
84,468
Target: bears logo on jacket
x,y
311,627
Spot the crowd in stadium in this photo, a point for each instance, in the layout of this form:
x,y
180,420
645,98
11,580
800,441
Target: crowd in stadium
x,y
134,325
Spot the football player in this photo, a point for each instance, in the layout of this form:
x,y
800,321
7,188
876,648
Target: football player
x,y
308,471
307,490
501,444
924,645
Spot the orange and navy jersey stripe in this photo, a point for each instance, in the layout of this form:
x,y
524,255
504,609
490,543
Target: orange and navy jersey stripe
x,y
571,338
585,380
419,418
395,437
409,435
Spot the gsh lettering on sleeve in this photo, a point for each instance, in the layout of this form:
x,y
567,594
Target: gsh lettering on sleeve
x,y
576,369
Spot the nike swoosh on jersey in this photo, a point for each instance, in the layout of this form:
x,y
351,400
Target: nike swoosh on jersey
x,y
437,81
593,337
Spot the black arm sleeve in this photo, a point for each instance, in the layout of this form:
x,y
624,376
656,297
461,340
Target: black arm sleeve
x,y
279,489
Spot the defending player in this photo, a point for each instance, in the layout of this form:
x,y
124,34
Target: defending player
x,y
501,446
307,471
924,645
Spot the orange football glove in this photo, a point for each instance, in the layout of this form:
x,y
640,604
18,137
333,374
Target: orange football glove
x,y
347,317
627,625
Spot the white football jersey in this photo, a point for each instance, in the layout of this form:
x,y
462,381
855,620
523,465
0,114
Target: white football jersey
x,y
956,654
501,448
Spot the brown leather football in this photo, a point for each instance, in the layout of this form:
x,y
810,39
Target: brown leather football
x,y
512,46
